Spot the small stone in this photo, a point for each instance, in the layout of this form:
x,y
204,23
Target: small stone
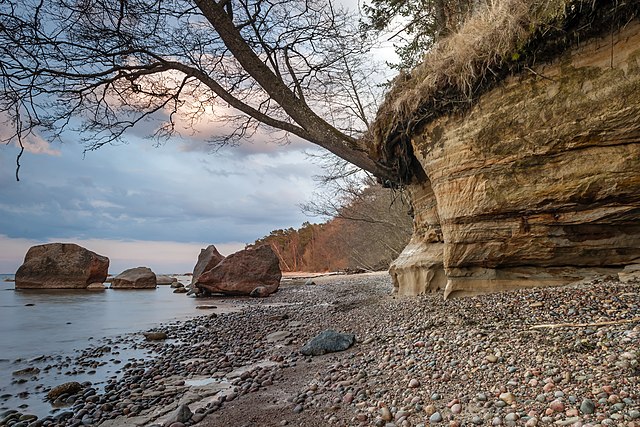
x,y
66,388
435,418
557,405
492,358
456,408
512,417
587,407
508,398
155,336
573,412
385,414
414,383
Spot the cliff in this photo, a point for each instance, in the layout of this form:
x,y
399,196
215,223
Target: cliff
x,y
524,167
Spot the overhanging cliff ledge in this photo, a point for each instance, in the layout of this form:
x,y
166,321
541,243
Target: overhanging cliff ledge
x,y
518,141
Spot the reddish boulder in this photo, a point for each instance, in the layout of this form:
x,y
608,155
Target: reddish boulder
x,y
208,258
135,278
61,266
243,272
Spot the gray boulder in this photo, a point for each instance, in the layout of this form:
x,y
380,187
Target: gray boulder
x,y
328,341
135,278
61,266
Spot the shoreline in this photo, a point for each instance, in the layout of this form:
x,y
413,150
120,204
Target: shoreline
x,y
417,361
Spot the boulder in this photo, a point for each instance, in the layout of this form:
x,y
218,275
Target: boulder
x,y
328,341
243,272
135,278
163,280
208,258
537,184
61,266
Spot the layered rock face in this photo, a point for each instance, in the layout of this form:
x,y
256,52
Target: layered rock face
x,y
253,271
538,184
135,278
61,266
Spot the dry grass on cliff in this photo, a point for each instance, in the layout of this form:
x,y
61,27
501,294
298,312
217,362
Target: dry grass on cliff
x,y
486,40
459,68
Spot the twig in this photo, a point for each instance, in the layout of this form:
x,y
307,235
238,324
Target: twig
x,y
585,325
539,75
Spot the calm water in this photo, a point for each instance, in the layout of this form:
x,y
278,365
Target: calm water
x,y
59,322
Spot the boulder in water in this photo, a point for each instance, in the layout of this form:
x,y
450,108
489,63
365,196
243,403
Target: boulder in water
x,y
135,278
61,266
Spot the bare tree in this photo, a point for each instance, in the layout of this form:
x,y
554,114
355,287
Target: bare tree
x,y
101,67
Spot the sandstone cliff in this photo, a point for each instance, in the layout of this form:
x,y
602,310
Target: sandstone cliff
x,y
535,182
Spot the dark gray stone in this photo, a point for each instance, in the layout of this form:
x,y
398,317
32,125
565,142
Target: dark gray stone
x,y
587,406
328,342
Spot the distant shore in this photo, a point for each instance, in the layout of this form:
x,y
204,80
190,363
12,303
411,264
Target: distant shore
x,y
562,356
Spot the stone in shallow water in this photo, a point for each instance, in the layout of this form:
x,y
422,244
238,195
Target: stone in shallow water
x,y
66,388
328,341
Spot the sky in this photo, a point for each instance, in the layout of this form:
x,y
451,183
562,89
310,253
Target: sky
x,y
142,205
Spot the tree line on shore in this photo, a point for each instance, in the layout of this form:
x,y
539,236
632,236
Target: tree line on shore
x,y
366,231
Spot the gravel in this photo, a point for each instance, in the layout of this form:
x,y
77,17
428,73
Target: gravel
x,y
417,361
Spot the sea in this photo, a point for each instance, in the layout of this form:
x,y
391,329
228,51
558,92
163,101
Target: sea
x,y
40,327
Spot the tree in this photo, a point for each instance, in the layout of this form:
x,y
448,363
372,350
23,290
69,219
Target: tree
x,y
102,67
416,24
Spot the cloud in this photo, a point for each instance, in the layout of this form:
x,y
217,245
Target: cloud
x,y
137,192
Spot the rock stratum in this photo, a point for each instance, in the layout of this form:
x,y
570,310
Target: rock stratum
x,y
61,266
537,183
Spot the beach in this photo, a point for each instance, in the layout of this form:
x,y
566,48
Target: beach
x,y
548,356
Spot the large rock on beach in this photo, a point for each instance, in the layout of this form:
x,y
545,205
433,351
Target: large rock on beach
x,y
242,272
61,266
208,258
135,278
328,341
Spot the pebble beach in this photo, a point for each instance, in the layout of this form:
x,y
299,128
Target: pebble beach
x,y
565,356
